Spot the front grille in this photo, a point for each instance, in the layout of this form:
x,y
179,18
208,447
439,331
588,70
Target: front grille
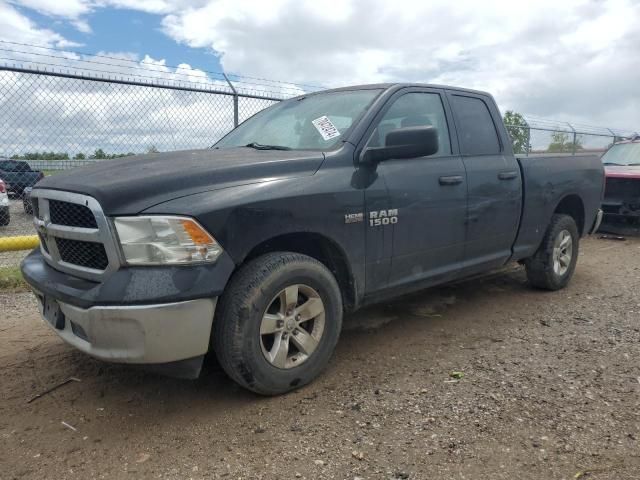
x,y
74,233
43,243
71,214
35,207
86,254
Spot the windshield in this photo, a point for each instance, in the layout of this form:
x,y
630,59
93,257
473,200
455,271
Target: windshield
x,y
315,122
623,154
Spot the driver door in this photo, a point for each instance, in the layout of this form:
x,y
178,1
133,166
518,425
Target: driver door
x,y
427,196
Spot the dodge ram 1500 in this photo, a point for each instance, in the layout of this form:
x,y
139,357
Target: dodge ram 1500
x,y
315,206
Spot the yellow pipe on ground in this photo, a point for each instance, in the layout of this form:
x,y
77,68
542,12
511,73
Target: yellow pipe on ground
x,y
14,244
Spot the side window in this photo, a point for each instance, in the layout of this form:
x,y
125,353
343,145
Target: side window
x,y
415,110
476,130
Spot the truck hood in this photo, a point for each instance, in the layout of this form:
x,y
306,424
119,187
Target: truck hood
x,y
623,171
127,186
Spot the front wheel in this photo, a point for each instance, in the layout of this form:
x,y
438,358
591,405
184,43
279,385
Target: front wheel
x,y
552,266
278,322
5,216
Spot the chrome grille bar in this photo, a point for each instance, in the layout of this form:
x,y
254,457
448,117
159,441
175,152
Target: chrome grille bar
x,y
49,232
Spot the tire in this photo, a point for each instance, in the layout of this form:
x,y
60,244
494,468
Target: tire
x,y
5,217
265,289
546,268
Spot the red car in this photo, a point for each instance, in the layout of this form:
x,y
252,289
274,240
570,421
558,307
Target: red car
x,y
622,169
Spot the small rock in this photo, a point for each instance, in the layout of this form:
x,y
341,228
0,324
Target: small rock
x,y
357,455
143,457
319,463
298,474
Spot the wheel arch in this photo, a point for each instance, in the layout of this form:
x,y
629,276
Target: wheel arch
x,y
573,206
323,249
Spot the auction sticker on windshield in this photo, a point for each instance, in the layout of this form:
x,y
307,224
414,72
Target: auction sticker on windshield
x,y
326,128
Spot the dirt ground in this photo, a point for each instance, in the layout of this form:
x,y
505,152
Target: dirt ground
x,y
551,390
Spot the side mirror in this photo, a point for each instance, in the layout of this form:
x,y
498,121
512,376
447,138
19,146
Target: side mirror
x,y
407,142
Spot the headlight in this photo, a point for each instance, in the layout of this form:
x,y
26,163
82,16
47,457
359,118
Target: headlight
x,y
155,240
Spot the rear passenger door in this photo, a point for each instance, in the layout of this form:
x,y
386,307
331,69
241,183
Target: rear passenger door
x,y
493,181
426,195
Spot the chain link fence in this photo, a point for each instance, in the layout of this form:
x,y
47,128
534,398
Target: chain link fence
x,y
52,121
533,135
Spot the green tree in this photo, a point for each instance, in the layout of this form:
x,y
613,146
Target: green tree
x,y
152,149
79,156
560,143
518,130
99,154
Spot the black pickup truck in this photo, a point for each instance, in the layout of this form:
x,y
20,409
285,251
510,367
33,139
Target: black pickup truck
x,y
315,206
18,175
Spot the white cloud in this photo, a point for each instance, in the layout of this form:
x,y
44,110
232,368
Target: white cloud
x,y
82,25
61,8
16,27
548,58
576,59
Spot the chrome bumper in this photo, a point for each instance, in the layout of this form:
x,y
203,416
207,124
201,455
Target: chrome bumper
x,y
597,222
145,334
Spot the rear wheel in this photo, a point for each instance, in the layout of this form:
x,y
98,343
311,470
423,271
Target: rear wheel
x,y
278,322
552,266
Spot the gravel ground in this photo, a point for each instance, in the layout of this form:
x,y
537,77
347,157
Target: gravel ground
x,y
551,390
20,224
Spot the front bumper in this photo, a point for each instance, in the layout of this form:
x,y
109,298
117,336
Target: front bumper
x,y
141,334
153,316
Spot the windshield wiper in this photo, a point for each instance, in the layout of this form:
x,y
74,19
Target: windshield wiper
x,y
613,163
260,146
633,164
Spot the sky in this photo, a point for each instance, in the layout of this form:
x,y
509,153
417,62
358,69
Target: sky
x,y
575,60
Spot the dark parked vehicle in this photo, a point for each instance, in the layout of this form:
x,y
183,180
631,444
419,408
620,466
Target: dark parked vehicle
x,y
622,170
315,206
18,175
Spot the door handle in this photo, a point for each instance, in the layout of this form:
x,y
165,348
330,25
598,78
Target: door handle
x,y
507,175
450,180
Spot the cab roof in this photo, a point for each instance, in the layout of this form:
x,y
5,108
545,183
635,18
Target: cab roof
x,y
396,86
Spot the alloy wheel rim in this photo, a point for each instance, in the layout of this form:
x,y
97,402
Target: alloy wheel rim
x,y
562,252
292,326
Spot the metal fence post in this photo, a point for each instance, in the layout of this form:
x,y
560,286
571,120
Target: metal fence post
x,y
235,100
528,145
575,138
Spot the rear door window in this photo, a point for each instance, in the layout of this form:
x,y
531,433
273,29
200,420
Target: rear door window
x,y
476,131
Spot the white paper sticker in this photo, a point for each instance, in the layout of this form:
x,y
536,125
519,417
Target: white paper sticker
x,y
327,129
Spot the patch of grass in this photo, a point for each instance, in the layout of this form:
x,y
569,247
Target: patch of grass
x,y
11,279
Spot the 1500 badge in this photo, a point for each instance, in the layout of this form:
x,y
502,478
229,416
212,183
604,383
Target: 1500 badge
x,y
383,217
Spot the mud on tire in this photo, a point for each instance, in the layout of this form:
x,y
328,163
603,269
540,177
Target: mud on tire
x,y
276,292
552,266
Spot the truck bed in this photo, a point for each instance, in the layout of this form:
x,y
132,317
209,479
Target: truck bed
x,y
548,180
